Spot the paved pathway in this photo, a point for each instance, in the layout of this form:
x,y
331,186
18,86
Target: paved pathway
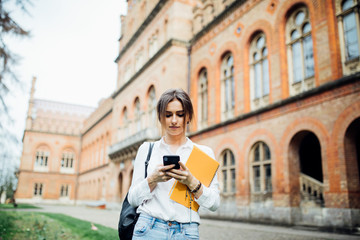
x,y
209,229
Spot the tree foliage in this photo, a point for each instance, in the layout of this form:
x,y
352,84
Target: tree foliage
x,y
9,29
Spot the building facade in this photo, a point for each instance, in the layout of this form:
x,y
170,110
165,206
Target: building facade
x,y
275,85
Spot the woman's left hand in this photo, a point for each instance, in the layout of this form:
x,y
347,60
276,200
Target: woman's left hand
x,y
183,175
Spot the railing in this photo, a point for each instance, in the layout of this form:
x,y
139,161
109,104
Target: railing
x,y
311,189
137,138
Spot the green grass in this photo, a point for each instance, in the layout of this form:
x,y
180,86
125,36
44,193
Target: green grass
x,y
21,205
49,226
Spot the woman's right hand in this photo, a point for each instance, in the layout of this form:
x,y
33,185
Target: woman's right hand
x,y
159,175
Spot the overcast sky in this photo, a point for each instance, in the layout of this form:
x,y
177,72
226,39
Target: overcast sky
x,y
71,52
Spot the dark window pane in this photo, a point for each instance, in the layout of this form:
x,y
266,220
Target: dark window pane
x,y
225,159
233,180
267,152
268,184
225,180
257,153
257,187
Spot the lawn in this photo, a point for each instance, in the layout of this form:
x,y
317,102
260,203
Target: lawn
x,y
49,226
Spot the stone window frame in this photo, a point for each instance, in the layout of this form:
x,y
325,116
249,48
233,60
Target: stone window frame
x,y
153,44
227,86
124,128
261,161
262,62
38,189
42,159
228,172
349,66
152,107
127,72
139,59
137,115
67,162
306,82
65,190
203,98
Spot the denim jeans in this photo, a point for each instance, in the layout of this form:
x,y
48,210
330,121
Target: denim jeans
x,y
151,228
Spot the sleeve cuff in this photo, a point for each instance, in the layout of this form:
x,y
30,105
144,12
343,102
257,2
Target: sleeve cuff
x,y
144,190
202,200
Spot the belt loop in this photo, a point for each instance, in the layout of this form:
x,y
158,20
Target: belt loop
x,y
153,222
181,227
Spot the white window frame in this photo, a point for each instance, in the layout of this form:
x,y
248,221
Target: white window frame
x,y
228,186
67,162
202,99
227,87
262,62
41,163
349,66
261,164
306,82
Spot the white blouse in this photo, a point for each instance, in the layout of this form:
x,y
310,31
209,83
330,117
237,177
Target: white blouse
x,y
158,203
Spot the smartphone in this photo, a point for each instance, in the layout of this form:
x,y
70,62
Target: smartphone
x,y
172,159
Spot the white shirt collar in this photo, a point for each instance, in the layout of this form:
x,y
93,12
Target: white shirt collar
x,y
187,144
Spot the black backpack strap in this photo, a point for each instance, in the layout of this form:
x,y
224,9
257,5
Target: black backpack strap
x,y
151,145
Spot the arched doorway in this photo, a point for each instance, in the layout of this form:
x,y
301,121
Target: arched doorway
x,y
306,167
120,184
310,157
352,161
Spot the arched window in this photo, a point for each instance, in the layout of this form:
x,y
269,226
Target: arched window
x,y
300,51
259,71
125,124
127,74
41,162
228,172
351,40
153,44
137,115
349,30
260,159
67,164
139,60
227,87
152,107
203,98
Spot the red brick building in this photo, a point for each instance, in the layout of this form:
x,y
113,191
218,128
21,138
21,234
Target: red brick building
x,y
275,85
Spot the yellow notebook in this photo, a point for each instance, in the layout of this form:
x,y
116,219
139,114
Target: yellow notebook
x,y
203,168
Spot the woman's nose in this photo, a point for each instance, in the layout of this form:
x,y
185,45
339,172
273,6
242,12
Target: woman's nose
x,y
173,119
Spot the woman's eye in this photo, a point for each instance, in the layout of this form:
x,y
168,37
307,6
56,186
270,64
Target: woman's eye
x,y
168,115
181,115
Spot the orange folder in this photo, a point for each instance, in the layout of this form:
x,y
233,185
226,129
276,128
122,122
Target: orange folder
x,y
203,168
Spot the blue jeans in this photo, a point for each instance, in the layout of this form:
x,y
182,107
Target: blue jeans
x,y
151,228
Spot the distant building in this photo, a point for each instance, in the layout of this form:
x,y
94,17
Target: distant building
x,y
275,85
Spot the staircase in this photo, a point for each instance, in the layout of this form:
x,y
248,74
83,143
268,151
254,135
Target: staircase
x,y
311,189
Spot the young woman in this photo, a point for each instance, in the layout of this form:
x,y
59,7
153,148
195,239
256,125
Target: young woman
x,y
161,217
